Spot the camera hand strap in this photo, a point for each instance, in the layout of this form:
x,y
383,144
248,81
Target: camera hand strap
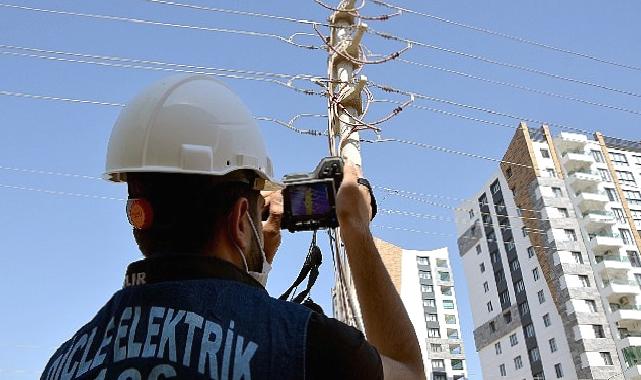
x,y
312,262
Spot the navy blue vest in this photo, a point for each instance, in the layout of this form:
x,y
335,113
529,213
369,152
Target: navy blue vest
x,y
195,329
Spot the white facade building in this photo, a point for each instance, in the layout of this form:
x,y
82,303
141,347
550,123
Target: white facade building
x,y
550,247
426,285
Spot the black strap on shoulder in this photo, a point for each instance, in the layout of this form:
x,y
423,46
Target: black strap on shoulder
x,y
312,262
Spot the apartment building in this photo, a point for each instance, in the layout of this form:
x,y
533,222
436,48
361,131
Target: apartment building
x,y
426,285
550,246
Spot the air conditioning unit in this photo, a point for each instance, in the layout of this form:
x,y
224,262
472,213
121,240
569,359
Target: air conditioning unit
x,y
624,301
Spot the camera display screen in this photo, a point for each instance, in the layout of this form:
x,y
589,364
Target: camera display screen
x,y
310,199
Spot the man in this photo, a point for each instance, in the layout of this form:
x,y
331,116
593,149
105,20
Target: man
x,y
196,307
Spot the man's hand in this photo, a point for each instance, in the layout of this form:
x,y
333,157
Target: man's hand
x,y
353,202
271,227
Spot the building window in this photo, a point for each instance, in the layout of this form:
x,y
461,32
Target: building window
x,y
507,317
637,160
471,213
518,363
530,252
597,155
633,256
529,331
598,331
502,370
513,340
494,257
637,277
607,358
612,194
495,187
478,249
524,231
441,263
550,173
618,158
440,376
427,288
486,287
446,291
424,275
433,333
578,258
558,370
524,308
422,260
557,192
591,304
514,264
585,281
457,364
626,178
618,214
552,343
483,201
633,196
541,296
482,267
439,363
545,153
429,302
436,347
605,175
570,235
535,274
431,317
534,354
448,304
492,327
489,306
546,320
450,319
444,276
497,348
504,296
563,212
508,173
520,286
626,236
499,276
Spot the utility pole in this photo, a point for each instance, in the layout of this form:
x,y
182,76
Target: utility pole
x,y
344,104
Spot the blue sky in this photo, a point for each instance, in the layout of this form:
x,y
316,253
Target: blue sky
x,y
62,256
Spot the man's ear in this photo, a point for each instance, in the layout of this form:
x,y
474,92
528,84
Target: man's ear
x,y
238,227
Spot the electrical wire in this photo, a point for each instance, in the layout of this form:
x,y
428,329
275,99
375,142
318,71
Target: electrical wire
x,y
240,13
517,86
531,70
56,98
354,11
62,193
390,89
289,39
445,150
355,60
165,69
162,63
507,36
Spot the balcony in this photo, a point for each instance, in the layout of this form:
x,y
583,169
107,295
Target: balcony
x,y
589,201
598,220
617,288
605,242
612,263
581,180
576,161
627,315
570,141
632,358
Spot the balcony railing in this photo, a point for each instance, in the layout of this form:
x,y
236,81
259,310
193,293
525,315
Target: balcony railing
x,y
616,258
607,282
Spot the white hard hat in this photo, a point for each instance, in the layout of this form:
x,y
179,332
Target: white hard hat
x,y
189,124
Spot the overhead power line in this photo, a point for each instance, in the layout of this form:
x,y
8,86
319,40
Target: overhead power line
x,y
111,63
521,87
289,39
480,58
507,36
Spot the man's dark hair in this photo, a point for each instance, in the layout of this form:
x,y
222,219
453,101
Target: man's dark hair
x,y
187,209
